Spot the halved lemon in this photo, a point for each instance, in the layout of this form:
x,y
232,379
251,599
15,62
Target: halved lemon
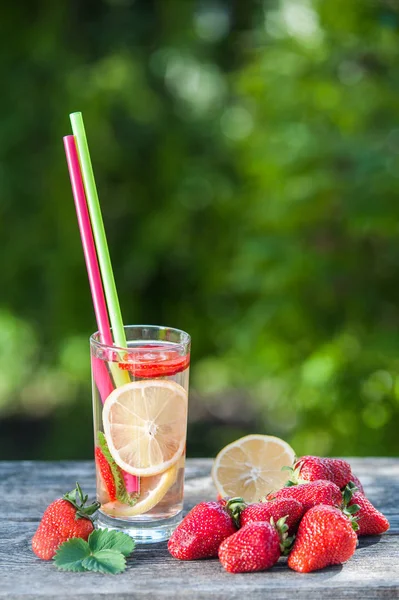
x,y
251,467
152,490
145,425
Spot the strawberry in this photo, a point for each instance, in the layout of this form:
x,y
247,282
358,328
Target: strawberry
x,y
65,518
341,471
255,547
201,532
369,519
310,494
154,361
264,511
106,474
325,537
276,509
313,468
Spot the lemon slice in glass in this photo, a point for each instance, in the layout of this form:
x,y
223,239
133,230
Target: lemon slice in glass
x,y
145,426
152,490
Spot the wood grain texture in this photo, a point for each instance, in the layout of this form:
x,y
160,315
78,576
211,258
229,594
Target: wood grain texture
x,y
28,487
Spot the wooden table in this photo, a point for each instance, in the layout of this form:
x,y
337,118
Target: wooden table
x,y
28,487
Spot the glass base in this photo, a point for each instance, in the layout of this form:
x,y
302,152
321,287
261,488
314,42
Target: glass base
x,y
143,532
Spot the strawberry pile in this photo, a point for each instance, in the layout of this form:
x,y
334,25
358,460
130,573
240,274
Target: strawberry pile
x,y
315,520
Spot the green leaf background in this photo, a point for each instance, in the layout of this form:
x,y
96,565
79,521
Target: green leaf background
x,y
246,156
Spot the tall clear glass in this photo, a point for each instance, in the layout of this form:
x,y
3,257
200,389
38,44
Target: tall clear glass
x,y
140,401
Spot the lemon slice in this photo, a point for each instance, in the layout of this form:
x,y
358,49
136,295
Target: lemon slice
x,y
251,467
145,425
152,490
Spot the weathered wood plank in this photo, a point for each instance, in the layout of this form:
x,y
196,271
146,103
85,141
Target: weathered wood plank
x,y
26,488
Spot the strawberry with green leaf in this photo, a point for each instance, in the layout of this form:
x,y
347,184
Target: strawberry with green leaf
x,y
289,508
65,518
112,474
314,468
310,494
325,537
370,521
201,532
257,546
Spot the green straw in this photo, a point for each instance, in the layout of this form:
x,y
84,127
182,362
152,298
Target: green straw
x,y
97,224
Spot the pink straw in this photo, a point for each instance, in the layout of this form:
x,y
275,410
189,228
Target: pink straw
x,y
100,371
89,249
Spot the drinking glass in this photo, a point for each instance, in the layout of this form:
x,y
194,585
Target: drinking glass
x,y
140,401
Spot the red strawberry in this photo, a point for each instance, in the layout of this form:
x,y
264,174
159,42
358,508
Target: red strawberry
x,y
312,468
340,470
106,474
201,532
358,484
325,537
65,518
369,519
276,509
310,494
149,362
255,547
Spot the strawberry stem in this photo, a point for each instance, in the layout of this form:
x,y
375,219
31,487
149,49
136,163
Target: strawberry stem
x,y
295,474
78,501
282,529
350,511
234,507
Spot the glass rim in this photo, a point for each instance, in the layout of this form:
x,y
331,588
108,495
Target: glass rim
x,y
184,344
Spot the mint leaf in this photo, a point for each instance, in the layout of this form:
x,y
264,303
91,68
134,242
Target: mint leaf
x,y
71,554
105,561
124,497
121,492
104,552
101,539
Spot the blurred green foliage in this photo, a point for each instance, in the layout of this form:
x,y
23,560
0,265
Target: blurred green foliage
x,y
247,160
